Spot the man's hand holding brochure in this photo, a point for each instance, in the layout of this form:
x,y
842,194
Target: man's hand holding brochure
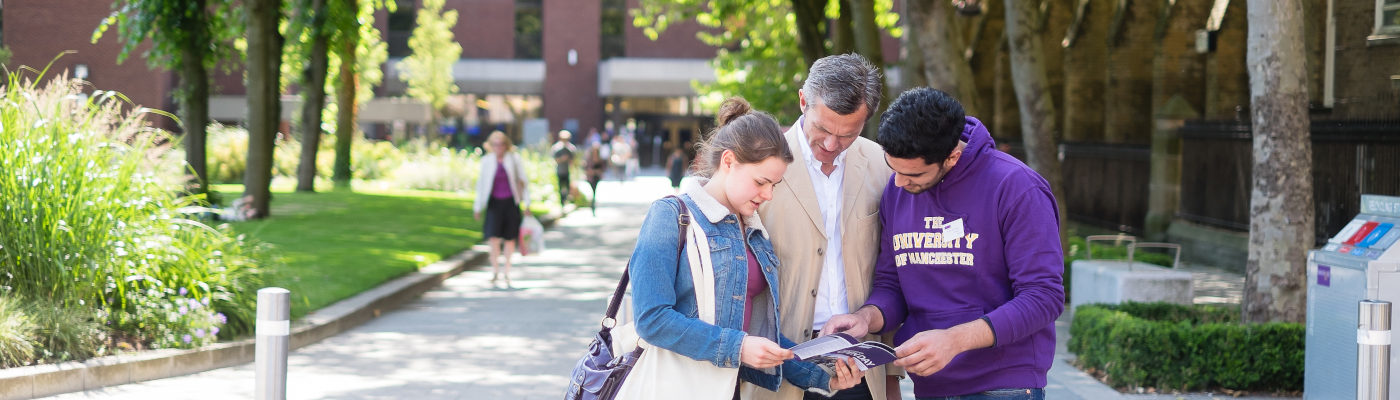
x,y
827,349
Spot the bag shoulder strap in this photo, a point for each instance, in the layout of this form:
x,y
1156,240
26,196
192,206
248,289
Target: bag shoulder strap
x,y
683,221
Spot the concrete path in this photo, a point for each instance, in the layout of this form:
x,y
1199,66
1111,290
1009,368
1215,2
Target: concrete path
x,y
466,339
470,340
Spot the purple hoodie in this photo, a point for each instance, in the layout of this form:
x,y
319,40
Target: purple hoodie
x,y
1007,267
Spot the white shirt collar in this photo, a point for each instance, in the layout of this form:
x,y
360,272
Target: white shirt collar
x,y
712,209
806,146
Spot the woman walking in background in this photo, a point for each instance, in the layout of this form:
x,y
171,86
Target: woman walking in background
x,y
594,164
736,169
675,168
500,191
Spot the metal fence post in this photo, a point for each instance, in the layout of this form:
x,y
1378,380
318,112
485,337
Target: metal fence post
x,y
1373,351
273,327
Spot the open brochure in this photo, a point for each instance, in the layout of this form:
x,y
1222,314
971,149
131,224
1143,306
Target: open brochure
x,y
826,350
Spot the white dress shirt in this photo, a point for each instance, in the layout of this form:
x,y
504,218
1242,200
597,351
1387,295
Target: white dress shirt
x,y
831,291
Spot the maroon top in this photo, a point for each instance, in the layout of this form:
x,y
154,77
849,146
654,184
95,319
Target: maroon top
x,y
757,284
501,184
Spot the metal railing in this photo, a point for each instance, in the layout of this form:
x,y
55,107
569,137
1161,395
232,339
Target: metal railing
x,y
1132,244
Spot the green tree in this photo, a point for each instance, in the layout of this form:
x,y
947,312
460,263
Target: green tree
x,y
190,36
327,32
311,25
428,68
358,54
264,104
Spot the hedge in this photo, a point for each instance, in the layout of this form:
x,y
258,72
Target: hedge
x,y
1170,346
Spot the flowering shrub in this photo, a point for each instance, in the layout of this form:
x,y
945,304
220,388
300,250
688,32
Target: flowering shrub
x,y
169,318
93,219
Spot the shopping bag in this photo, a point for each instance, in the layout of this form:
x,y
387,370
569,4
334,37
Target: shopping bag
x,y
531,236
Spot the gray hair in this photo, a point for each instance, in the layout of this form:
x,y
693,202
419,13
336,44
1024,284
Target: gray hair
x,y
844,82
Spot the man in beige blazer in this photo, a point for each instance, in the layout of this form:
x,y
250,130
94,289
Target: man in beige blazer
x,y
824,217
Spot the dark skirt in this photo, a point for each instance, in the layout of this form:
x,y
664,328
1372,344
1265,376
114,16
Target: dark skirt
x,y
502,219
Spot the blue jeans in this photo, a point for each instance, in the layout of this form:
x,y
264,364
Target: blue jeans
x,y
998,394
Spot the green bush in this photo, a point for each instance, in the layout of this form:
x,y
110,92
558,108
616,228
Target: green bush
x,y
416,165
94,217
66,333
16,331
426,166
1175,347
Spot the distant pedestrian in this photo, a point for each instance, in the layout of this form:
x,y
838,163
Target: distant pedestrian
x,y
675,168
624,155
564,161
740,164
594,165
501,191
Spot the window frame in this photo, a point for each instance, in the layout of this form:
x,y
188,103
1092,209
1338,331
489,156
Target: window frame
x,y
1383,29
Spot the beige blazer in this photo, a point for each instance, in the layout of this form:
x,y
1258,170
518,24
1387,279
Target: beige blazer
x,y
795,224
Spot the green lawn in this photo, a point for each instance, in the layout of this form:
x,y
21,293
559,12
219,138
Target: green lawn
x,y
335,244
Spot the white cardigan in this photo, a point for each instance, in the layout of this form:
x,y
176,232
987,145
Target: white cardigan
x,y
515,171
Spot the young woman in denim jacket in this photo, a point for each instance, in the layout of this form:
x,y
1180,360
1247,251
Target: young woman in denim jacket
x,y
742,160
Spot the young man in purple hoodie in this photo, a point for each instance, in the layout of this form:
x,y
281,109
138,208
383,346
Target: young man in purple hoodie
x,y
970,263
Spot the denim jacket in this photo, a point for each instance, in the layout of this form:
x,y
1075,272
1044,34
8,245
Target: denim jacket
x,y
663,294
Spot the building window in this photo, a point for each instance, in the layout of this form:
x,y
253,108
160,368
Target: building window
x,y
401,24
1388,17
614,18
529,28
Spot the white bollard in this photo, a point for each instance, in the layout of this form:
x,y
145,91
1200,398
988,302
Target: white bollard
x,y
274,326
1373,351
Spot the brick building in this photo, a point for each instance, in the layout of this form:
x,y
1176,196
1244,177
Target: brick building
x,y
558,63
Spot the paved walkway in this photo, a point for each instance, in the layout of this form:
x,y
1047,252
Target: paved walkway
x,y
468,340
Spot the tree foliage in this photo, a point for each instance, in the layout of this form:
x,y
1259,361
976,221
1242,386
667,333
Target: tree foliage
x,y
357,57
428,68
762,56
171,23
191,37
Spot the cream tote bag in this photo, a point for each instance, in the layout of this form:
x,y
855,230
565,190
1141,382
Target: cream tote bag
x,y
663,374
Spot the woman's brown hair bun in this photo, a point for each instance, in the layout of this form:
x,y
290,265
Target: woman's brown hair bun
x,y
733,107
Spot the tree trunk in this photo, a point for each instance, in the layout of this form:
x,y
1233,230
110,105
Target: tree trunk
x,y
843,35
1128,96
1281,202
1056,18
194,103
986,35
1033,94
264,57
811,21
1086,54
911,71
346,108
867,35
945,66
314,98
1007,121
